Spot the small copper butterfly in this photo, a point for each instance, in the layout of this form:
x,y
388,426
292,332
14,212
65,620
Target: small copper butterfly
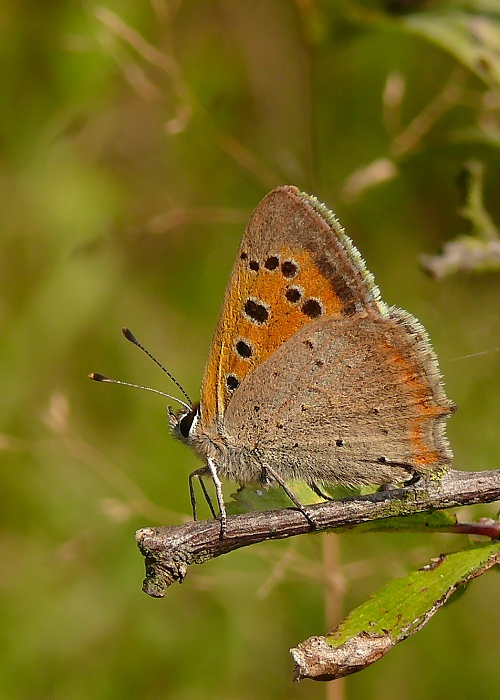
x,y
311,375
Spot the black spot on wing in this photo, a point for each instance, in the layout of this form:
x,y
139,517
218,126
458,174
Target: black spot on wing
x,y
272,262
244,349
312,308
232,382
256,311
293,295
289,269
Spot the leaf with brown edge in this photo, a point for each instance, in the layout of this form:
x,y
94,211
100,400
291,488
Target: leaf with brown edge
x,y
396,611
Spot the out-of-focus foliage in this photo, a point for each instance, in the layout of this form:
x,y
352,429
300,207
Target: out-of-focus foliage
x,y
136,137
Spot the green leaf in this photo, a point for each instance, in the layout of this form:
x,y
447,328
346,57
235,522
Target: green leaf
x,y
273,497
258,497
392,614
404,605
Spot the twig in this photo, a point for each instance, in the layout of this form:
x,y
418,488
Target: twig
x,y
170,550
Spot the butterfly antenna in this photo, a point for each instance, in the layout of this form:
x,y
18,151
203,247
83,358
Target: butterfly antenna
x,y
131,337
101,378
474,354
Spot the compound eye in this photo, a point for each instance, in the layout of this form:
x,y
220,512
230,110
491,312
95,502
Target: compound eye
x,y
186,422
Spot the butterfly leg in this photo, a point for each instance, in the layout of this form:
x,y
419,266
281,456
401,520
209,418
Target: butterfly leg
x,y
318,491
209,470
266,471
265,479
207,496
414,480
406,484
220,498
199,474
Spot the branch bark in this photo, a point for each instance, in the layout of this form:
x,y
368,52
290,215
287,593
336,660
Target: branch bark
x,y
169,551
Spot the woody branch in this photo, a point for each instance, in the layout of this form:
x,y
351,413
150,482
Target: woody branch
x,y
169,551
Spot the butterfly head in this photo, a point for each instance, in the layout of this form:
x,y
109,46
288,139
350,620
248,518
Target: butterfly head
x,y
184,422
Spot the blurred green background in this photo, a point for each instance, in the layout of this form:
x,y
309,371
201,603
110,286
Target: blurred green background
x,y
136,138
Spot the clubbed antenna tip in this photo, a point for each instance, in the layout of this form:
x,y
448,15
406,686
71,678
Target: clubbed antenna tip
x,y
129,335
98,377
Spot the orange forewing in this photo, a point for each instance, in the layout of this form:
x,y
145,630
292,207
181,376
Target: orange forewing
x,y
285,319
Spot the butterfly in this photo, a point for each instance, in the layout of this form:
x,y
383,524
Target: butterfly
x,y
310,375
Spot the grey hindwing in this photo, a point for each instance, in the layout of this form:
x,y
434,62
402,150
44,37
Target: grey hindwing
x,y
328,405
